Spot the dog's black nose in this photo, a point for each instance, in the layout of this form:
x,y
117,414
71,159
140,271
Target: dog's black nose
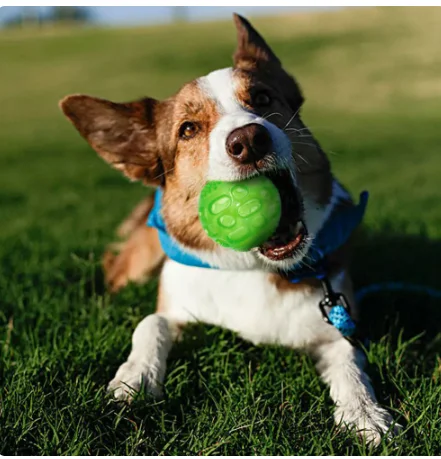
x,y
249,143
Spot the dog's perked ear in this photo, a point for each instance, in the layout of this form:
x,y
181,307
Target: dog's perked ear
x,y
122,134
254,55
252,49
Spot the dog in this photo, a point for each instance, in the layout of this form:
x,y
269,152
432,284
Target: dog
x,y
230,125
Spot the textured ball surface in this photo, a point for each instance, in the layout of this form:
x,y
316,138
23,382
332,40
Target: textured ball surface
x,y
240,215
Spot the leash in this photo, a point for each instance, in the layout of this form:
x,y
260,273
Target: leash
x,y
380,287
336,309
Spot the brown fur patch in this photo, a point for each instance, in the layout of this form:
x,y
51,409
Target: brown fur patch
x,y
184,184
138,259
243,82
140,256
137,217
251,47
282,284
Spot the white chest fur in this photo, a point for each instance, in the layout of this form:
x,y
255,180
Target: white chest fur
x,y
246,302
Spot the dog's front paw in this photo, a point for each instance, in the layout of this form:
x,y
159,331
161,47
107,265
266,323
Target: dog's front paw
x,y
132,378
370,422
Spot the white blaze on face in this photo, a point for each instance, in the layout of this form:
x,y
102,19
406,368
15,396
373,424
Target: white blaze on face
x,y
220,86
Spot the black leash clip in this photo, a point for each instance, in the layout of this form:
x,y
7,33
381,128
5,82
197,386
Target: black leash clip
x,y
336,310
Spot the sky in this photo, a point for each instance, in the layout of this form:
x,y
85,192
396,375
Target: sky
x,y
137,15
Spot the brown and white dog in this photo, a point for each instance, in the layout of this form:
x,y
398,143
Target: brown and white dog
x,y
231,124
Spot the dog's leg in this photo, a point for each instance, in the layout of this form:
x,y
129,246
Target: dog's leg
x,y
137,217
341,366
146,365
139,256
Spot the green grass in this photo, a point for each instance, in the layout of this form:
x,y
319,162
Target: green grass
x,y
371,78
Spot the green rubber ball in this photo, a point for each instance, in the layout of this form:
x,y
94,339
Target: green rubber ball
x,y
240,215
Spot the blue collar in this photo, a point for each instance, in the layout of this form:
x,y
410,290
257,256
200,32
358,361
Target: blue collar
x,y
336,231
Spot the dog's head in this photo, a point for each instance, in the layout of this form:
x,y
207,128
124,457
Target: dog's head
x,y
232,124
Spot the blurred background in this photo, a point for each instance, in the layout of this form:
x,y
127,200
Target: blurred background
x,y
371,78
132,15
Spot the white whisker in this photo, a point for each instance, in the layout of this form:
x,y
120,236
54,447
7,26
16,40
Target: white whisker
x,y
265,117
163,173
304,143
295,129
291,119
302,158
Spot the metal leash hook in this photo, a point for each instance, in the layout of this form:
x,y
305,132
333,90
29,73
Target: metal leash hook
x,y
339,310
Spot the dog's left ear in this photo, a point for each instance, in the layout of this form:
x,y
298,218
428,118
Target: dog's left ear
x,y
252,50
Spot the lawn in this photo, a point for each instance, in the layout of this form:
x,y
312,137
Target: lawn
x,y
373,88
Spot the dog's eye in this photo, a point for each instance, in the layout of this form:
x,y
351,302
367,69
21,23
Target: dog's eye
x,y
188,130
262,99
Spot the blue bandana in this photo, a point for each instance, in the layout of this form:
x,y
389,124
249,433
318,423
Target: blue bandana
x,y
335,232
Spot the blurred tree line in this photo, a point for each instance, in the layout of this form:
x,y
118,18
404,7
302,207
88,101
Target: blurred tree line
x,y
28,15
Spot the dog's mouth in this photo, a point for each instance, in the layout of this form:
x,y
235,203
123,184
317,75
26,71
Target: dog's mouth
x,y
290,236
